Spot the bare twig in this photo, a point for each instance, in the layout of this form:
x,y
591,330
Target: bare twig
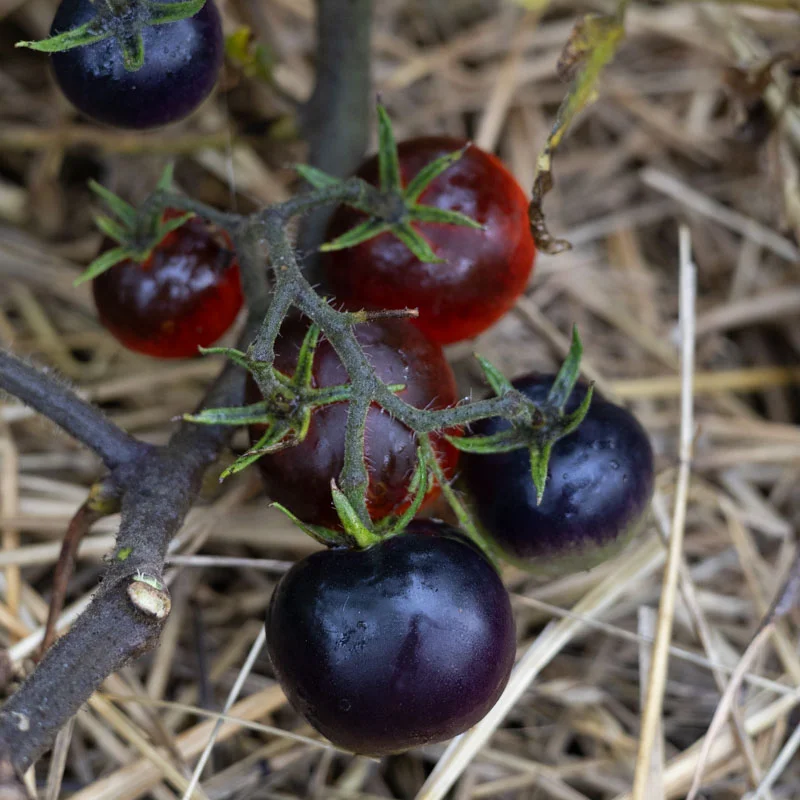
x,y
79,526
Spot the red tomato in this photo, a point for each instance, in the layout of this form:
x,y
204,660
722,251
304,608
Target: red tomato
x,y
300,477
184,296
484,271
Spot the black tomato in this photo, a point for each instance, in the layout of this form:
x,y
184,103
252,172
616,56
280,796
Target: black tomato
x,y
484,271
408,642
181,64
184,296
300,477
599,486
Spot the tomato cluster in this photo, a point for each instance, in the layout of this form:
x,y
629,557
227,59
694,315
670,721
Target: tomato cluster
x,y
406,637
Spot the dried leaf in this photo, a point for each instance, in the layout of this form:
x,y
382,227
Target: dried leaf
x,y
592,44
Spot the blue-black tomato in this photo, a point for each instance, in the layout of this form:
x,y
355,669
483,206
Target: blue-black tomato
x,y
181,65
599,486
408,642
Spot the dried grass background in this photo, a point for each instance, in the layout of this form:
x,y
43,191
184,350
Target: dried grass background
x,y
678,135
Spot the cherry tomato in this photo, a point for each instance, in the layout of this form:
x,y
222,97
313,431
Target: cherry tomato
x,y
181,64
599,486
184,296
484,272
300,477
408,642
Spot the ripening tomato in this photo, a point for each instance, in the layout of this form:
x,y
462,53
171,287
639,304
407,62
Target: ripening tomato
x,y
484,270
300,476
599,486
184,296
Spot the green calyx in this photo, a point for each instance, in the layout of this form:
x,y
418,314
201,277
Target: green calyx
x,y
400,207
287,406
355,534
538,427
135,234
123,21
288,403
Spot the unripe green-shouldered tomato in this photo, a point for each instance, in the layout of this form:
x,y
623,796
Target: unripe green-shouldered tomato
x,y
599,486
484,270
300,476
184,296
408,642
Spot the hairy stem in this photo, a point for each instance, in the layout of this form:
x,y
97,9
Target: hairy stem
x,y
61,405
157,487
159,490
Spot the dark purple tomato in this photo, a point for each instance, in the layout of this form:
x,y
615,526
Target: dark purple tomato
x,y
181,63
599,486
184,296
300,477
484,271
408,642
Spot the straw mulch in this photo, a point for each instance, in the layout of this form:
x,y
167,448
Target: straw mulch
x,y
679,135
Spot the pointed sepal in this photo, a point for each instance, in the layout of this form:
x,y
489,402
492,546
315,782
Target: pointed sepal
x,y
103,263
360,233
540,460
353,526
255,414
305,358
86,34
417,490
499,383
568,374
131,44
503,442
388,162
317,532
416,243
162,13
316,177
442,216
420,182
125,212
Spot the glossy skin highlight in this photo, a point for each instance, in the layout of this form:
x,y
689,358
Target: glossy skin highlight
x,y
300,477
185,296
181,65
600,483
403,644
485,270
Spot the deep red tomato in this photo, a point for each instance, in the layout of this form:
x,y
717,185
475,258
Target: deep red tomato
x,y
184,296
484,272
300,477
